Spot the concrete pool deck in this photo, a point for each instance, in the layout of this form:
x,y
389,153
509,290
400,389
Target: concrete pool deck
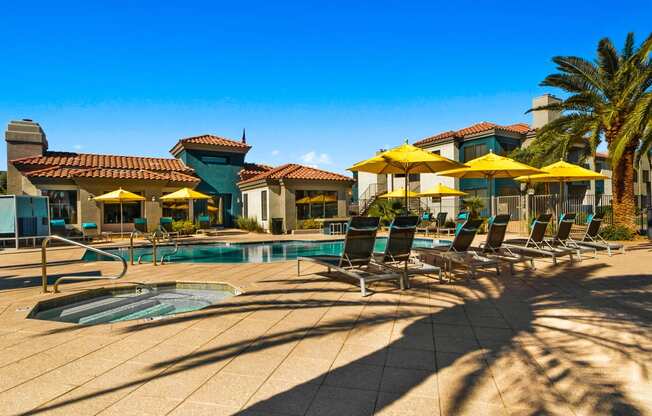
x,y
569,340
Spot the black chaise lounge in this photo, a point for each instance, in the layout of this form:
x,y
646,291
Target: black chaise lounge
x,y
355,261
562,237
397,255
536,243
458,252
593,239
493,246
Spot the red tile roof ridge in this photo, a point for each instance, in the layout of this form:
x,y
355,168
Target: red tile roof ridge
x,y
520,128
214,140
297,171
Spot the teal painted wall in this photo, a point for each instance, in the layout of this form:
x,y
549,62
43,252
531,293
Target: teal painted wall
x,y
499,145
217,179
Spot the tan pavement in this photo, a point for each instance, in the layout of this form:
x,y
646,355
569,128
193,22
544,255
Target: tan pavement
x,y
575,339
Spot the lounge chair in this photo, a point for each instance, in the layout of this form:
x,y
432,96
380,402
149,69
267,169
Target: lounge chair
x,y
355,260
58,227
593,239
562,237
140,224
397,255
204,222
493,246
458,252
431,227
166,223
90,231
536,243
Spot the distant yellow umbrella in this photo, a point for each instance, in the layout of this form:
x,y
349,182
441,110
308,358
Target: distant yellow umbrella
x,y
405,159
184,194
399,193
440,190
118,197
562,172
491,166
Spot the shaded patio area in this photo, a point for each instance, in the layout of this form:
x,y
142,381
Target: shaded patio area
x,y
574,339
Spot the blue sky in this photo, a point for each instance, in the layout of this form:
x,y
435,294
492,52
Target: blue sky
x,y
323,83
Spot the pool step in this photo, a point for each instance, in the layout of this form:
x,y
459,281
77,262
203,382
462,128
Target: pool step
x,y
156,310
72,313
119,312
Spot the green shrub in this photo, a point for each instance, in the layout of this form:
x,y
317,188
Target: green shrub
x,y
249,224
474,205
617,232
450,224
386,209
310,224
184,227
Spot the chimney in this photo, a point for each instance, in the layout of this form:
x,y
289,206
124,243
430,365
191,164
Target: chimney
x,y
25,138
542,117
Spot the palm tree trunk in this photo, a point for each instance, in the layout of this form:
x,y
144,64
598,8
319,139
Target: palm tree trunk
x,y
624,199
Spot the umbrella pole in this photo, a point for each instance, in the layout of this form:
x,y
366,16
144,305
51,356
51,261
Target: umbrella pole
x,y
407,183
121,221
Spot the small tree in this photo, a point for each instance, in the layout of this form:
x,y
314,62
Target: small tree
x,y
386,210
474,205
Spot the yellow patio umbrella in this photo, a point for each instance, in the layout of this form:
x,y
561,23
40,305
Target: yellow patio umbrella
x,y
399,193
440,190
562,172
491,166
405,159
184,194
119,196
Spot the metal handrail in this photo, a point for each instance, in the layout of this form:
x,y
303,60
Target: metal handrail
x,y
172,253
131,244
44,262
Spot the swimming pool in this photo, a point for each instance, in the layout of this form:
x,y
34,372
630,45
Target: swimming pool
x,y
250,252
107,305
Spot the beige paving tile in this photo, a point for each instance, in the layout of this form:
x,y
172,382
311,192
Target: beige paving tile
x,y
302,369
361,354
26,397
356,376
405,381
335,401
283,397
138,404
396,404
254,364
203,409
229,390
411,358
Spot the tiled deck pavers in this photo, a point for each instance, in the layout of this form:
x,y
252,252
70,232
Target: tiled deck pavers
x,y
570,340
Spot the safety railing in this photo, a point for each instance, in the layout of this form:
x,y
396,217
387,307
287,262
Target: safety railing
x,y
44,263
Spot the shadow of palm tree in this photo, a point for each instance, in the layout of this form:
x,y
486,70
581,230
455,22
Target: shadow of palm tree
x,y
547,345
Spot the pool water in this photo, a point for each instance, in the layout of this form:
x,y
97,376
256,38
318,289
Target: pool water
x,y
138,302
250,252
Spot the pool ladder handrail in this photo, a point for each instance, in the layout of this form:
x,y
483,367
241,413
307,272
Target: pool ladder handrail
x,y
172,253
44,272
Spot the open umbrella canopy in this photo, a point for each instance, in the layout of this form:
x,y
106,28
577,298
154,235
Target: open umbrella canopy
x,y
184,194
493,166
399,193
405,158
441,190
119,195
562,172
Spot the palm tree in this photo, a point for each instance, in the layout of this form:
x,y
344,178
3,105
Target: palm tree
x,y
608,99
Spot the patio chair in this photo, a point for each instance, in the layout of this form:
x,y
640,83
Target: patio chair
x,y
90,231
459,251
58,227
140,224
356,257
493,246
593,239
204,222
432,226
166,224
562,237
536,243
397,255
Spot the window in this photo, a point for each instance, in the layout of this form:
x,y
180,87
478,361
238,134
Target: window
x,y
215,160
63,205
436,152
316,204
474,150
263,205
130,211
245,205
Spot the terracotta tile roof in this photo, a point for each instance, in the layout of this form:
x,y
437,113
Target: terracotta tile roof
x,y
602,155
519,128
296,171
69,173
215,141
252,169
87,160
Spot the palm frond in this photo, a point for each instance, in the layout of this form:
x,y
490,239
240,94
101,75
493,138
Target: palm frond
x,y
581,67
646,144
608,58
628,49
